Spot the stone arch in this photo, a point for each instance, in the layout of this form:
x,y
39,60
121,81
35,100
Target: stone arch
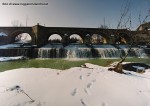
x,y
99,38
76,38
16,33
55,38
3,38
124,38
23,38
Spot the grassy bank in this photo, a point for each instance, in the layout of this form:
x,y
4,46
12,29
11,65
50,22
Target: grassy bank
x,y
61,63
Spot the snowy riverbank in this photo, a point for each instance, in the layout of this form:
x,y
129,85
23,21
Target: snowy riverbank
x,y
92,86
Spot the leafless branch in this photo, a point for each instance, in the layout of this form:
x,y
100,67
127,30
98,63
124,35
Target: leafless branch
x,y
140,18
124,12
148,15
16,23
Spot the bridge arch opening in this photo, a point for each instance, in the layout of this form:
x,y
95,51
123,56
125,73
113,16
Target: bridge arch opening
x,y
75,38
55,38
124,38
98,39
23,38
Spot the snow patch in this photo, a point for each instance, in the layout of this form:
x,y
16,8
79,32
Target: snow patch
x,y
101,88
2,59
9,46
3,34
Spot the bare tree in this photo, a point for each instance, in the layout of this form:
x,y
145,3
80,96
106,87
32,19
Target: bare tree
x,y
122,23
118,67
16,23
124,13
104,27
145,18
139,18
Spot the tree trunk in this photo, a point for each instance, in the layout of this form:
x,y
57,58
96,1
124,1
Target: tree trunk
x,y
118,68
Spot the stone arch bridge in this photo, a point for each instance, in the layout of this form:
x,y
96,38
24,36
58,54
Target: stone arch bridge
x,y
40,34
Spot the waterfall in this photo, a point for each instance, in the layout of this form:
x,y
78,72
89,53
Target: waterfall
x,y
83,51
138,52
51,51
105,51
15,52
73,50
78,51
134,52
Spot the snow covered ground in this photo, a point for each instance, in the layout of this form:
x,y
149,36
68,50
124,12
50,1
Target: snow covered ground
x,y
3,34
92,86
2,59
9,46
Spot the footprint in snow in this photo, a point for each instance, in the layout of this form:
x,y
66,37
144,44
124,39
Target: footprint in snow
x,y
87,91
73,93
83,102
88,74
94,80
103,104
81,77
89,85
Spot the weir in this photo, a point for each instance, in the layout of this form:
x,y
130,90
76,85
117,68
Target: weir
x,y
74,50
51,51
12,52
83,51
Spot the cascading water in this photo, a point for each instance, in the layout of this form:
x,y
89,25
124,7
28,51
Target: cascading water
x,y
138,52
105,51
51,51
134,52
73,51
78,51
15,50
82,51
